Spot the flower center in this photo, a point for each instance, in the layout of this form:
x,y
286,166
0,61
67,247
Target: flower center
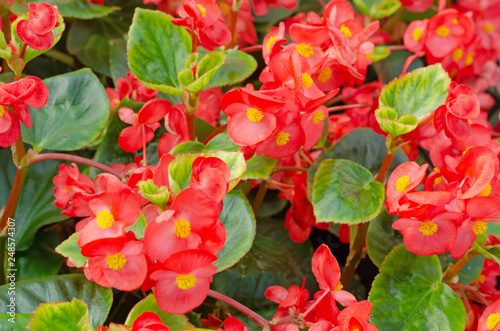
x,y
492,320
489,28
417,34
443,31
185,282
325,74
254,115
2,110
318,117
479,227
203,10
428,228
182,228
345,30
339,287
105,219
486,191
469,59
270,42
116,261
307,81
282,139
457,54
402,183
305,50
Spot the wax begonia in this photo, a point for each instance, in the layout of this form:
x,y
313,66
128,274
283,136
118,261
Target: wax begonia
x,y
36,31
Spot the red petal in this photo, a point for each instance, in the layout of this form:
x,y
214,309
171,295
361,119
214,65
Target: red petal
x,y
39,42
326,268
153,111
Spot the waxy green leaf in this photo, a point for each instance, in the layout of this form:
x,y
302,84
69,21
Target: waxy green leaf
x,y
205,70
81,9
389,122
408,295
344,192
72,315
40,260
378,8
157,50
418,93
239,222
62,288
72,251
237,67
173,321
74,115
382,238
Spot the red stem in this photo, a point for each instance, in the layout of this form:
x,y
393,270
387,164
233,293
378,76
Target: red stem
x,y
315,304
344,107
214,133
396,47
475,294
251,49
144,150
79,159
238,306
232,28
279,169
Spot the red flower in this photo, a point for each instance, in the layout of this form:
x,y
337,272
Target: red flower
x,y
490,319
233,324
149,321
36,32
144,123
183,281
68,182
182,227
211,175
116,262
355,317
261,7
405,178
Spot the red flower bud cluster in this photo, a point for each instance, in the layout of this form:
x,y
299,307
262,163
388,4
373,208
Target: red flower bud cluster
x,y
36,31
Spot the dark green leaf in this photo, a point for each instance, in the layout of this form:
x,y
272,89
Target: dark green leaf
x,y
382,238
63,288
174,322
118,59
19,323
392,67
157,49
418,93
61,316
39,260
267,263
36,204
73,117
237,67
239,221
408,295
344,192
72,251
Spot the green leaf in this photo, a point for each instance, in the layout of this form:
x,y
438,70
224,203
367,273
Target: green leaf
x,y
81,9
36,204
489,252
90,41
382,238
387,119
237,67
267,263
62,288
72,251
118,60
344,192
259,166
378,8
408,295
392,67
471,271
418,93
61,316
362,146
73,117
19,323
174,322
188,147
380,53
39,260
157,195
239,221
180,169
138,227
157,49
205,70
222,142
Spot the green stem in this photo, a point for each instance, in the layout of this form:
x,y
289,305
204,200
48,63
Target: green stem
x,y
190,102
356,249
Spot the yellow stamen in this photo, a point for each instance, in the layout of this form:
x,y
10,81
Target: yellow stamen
x,y
282,138
481,279
486,191
203,10
254,115
270,42
428,228
402,183
116,261
182,228
479,227
457,54
469,59
492,320
325,74
307,80
489,28
417,34
305,50
345,30
318,117
2,110
224,8
455,21
185,282
104,219
442,31
339,287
